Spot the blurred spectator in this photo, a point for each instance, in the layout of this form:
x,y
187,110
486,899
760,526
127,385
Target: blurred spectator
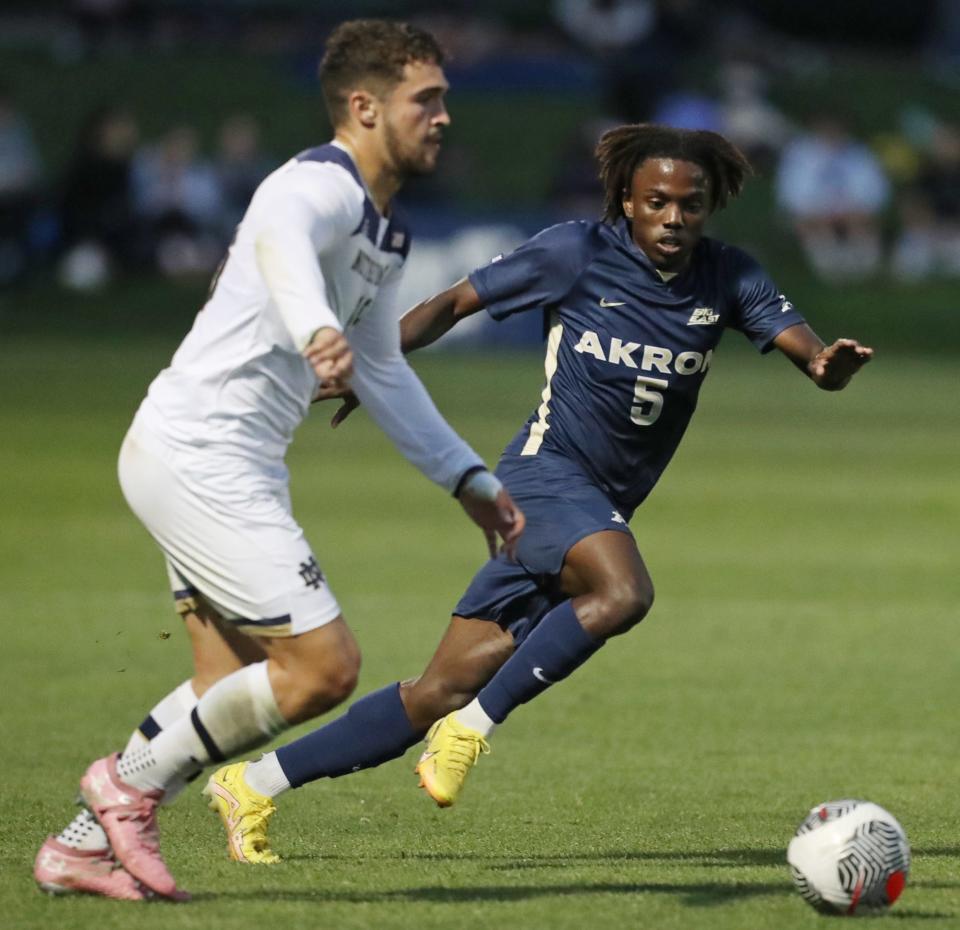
x,y
606,26
99,225
748,118
20,188
689,109
178,196
241,165
929,242
833,190
638,44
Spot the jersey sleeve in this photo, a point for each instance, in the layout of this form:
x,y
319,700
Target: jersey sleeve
x,y
537,274
760,311
303,210
396,399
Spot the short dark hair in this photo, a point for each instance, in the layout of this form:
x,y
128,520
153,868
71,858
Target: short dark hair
x,y
622,150
372,50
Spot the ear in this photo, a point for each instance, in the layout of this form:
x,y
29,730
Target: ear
x,y
364,108
627,204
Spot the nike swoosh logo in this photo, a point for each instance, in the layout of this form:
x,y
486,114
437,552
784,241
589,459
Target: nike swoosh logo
x,y
612,303
538,674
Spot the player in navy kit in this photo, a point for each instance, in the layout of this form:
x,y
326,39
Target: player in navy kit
x,y
636,304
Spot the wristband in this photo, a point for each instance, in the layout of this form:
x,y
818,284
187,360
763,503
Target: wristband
x,y
479,483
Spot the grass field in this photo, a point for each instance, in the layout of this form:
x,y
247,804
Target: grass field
x,y
803,647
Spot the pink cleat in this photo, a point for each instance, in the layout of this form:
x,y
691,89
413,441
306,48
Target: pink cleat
x,y
58,869
129,818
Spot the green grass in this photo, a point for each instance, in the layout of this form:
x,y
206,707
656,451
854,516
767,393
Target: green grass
x,y
803,647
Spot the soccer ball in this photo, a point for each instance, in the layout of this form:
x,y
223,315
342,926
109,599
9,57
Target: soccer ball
x,y
848,857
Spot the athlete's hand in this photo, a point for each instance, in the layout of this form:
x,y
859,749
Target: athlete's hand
x,y
330,356
833,367
337,391
499,516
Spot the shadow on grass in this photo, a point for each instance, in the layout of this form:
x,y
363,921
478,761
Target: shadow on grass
x,y
938,851
692,894
721,858
724,858
704,894
918,915
503,862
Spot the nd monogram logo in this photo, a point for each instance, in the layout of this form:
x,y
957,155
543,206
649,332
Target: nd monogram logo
x,y
311,574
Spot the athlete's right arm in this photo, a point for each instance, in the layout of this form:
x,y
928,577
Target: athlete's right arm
x,y
300,212
429,320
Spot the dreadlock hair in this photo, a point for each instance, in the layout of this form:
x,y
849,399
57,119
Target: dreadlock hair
x,y
374,52
622,150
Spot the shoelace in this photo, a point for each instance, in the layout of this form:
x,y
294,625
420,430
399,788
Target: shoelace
x,y
257,819
466,750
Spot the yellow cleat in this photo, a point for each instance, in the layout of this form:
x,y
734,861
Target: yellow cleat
x,y
452,750
244,813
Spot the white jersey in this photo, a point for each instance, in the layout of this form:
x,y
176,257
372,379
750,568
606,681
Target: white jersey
x,y
312,251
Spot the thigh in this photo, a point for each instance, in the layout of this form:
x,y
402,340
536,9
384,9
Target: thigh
x,y
603,561
608,583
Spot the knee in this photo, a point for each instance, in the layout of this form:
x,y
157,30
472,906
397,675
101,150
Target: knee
x,y
336,684
622,607
313,692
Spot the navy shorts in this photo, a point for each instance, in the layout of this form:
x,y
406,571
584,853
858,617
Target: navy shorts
x,y
562,506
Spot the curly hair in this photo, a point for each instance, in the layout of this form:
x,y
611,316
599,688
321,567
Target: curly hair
x,y
373,52
622,150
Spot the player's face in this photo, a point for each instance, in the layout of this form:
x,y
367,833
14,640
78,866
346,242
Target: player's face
x,y
415,117
668,203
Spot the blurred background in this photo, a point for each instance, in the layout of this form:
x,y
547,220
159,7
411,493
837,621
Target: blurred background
x,y
133,132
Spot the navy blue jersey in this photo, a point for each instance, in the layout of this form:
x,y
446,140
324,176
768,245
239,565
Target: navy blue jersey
x,y
626,350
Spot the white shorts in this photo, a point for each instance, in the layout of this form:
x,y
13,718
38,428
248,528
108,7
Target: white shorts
x,y
227,532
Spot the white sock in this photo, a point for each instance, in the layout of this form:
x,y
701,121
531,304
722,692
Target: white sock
x,y
238,713
266,776
167,710
83,832
178,703
475,717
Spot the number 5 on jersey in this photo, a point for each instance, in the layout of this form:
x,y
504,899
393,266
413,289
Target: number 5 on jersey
x,y
647,400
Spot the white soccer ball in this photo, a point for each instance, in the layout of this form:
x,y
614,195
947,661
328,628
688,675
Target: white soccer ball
x,y
849,857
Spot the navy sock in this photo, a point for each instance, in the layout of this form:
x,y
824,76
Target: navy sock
x,y
557,646
375,730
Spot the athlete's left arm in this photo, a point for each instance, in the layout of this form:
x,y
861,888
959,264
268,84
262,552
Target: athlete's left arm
x,y
420,326
829,367
426,322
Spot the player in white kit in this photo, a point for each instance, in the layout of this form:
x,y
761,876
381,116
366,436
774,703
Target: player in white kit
x,y
305,297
